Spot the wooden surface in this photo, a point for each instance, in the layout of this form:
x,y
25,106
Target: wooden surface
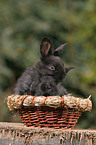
x,y
17,133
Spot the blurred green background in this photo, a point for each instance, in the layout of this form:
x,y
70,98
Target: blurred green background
x,y
23,24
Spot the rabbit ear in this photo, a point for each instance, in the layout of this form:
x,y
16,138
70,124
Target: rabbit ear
x,y
69,68
59,50
45,47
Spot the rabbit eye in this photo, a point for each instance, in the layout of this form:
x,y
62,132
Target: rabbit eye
x,y
52,67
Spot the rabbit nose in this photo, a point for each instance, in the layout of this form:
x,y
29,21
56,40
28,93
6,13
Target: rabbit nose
x,y
47,86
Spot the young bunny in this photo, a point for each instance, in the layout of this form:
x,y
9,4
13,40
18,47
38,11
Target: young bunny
x,y
50,68
48,86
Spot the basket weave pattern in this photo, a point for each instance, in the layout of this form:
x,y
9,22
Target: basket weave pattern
x,y
49,117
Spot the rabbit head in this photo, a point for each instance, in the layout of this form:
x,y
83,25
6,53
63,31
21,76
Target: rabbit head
x,y
51,64
46,87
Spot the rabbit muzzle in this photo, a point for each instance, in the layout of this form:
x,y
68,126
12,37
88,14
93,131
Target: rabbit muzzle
x,y
46,88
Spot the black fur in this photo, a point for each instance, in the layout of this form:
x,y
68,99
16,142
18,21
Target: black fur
x,y
48,86
46,76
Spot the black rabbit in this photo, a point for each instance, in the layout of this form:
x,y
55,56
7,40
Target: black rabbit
x,y
48,86
50,71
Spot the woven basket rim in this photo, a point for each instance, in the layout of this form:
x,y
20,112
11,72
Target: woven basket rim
x,y
61,102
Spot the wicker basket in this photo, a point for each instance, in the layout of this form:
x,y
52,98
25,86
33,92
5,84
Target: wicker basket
x,y
49,117
45,116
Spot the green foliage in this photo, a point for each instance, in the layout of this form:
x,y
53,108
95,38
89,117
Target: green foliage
x,y
23,24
